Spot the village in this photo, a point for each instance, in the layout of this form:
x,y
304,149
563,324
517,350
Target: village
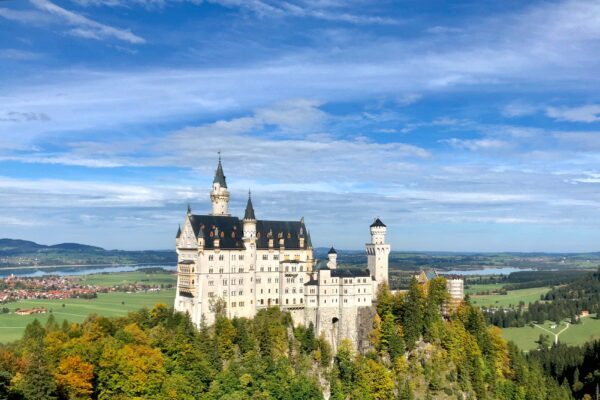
x,y
15,288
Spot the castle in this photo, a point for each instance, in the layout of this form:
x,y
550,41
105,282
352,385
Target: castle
x,y
253,264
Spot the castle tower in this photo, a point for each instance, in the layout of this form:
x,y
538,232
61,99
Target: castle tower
x,y
378,252
249,221
219,195
332,258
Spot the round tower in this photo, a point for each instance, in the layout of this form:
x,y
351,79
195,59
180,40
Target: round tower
x,y
378,253
219,196
332,258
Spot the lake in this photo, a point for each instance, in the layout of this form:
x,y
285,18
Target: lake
x,y
36,272
486,271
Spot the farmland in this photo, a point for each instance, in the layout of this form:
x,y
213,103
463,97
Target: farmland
x,y
76,310
512,298
126,278
526,337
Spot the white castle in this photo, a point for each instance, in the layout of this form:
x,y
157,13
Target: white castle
x,y
254,264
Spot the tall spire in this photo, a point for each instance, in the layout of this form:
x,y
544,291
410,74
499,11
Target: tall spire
x,y
219,175
249,215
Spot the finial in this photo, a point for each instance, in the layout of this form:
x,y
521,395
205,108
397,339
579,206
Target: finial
x,y
219,152
189,209
249,193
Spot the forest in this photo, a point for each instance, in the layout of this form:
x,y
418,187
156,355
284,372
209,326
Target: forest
x,y
159,354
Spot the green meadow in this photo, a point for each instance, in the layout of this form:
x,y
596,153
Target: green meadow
x,y
526,337
512,298
76,310
123,278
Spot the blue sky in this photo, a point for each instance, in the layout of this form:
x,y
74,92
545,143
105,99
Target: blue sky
x,y
466,126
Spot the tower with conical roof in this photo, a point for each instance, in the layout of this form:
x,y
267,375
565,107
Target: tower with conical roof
x,y
249,220
219,196
378,252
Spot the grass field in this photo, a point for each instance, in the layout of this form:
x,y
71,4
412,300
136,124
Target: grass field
x,y
119,278
76,310
482,287
512,298
526,337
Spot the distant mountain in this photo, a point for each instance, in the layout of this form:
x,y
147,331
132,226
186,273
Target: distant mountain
x,y
19,253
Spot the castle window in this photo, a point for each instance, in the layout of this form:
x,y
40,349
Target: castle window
x,y
301,268
220,270
241,304
276,257
276,280
262,301
233,304
258,280
287,301
268,280
224,281
265,256
269,269
241,257
241,281
210,270
221,257
301,290
293,290
289,235
241,269
262,269
211,283
211,257
222,234
294,301
261,291
211,234
241,293
233,292
233,235
224,293
211,294
286,290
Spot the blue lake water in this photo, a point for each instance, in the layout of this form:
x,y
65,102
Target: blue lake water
x,y
68,270
486,271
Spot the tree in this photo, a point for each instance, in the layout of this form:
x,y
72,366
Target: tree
x,y
412,314
391,338
74,378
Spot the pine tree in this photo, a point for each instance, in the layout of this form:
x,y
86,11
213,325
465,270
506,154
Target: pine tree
x,y
412,314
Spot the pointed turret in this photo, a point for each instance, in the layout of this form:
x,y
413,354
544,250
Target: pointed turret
x,y
219,175
249,222
332,258
178,233
249,214
219,195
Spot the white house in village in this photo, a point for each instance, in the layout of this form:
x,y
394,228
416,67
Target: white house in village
x,y
253,264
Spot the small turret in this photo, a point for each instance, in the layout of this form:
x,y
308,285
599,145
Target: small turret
x,y
249,220
219,195
332,257
378,230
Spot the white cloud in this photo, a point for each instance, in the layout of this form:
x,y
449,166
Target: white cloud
x,y
81,25
519,109
587,113
478,144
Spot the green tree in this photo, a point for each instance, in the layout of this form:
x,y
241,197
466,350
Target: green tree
x,y
412,314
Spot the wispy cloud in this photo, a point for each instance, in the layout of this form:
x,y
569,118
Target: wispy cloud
x,y
587,113
81,26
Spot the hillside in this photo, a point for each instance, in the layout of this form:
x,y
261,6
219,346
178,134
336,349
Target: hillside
x,y
158,354
20,253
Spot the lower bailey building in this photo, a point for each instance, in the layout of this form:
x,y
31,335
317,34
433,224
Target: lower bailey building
x,y
251,264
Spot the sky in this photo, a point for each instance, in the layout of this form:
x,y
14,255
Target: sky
x,y
464,125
